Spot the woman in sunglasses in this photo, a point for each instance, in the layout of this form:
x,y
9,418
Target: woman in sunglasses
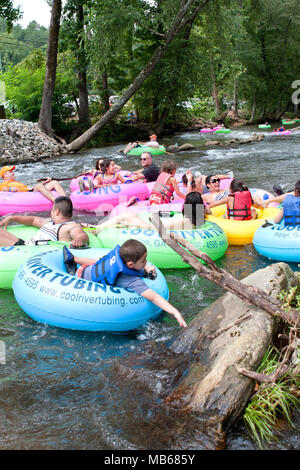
x,y
214,194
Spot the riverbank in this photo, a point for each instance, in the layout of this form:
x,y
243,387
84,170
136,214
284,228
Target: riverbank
x,y
23,141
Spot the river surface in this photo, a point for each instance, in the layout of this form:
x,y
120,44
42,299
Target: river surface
x,y
62,389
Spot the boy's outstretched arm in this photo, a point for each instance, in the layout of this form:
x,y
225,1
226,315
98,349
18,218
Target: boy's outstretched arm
x,y
158,300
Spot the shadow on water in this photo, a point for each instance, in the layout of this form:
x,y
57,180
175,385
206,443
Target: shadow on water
x,y
62,389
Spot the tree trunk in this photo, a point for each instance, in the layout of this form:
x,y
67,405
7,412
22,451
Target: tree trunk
x,y
215,90
84,114
45,117
105,91
161,123
235,104
253,107
178,24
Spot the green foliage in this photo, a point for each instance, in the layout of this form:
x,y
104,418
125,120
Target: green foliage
x,y
274,401
9,13
19,43
250,48
24,87
271,401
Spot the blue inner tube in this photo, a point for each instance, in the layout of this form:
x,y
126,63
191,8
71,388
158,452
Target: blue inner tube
x,y
278,242
48,294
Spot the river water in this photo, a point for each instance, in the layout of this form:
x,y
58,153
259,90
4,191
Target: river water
x,y
63,389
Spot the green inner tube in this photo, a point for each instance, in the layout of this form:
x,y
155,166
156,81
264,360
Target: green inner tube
x,y
287,123
12,257
222,131
209,238
264,126
144,148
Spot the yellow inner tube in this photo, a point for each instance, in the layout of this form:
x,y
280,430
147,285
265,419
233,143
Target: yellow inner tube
x,y
240,232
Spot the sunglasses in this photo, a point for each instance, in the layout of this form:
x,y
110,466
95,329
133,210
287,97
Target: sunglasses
x,y
143,159
215,180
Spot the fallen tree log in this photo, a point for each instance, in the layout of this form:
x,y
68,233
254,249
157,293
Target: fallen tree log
x,y
222,278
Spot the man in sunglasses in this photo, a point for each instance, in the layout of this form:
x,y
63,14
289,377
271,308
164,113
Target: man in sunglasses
x,y
214,194
149,172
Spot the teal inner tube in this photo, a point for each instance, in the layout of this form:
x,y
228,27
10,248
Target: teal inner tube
x,y
264,126
144,148
48,294
209,238
222,131
12,257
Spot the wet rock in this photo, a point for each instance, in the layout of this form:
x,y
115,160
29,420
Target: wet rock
x,y
181,148
234,142
23,141
212,385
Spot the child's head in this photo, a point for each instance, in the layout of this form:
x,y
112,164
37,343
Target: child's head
x,y
193,208
237,186
106,164
98,163
297,189
134,254
169,166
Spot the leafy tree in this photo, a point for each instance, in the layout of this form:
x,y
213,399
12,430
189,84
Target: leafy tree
x,y
9,13
73,38
45,116
19,43
24,87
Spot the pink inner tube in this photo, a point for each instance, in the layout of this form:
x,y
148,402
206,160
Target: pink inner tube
x,y
281,133
104,199
33,201
206,130
217,128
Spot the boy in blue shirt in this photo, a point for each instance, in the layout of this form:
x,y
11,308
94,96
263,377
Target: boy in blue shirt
x,y
124,267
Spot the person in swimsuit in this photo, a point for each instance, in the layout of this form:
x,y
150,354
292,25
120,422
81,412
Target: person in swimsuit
x,y
60,227
11,185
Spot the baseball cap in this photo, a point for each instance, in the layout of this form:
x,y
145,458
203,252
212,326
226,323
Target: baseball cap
x,y
6,168
153,136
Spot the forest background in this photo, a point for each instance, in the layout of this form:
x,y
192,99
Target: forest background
x,y
238,55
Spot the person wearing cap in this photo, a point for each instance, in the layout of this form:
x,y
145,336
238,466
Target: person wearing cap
x,y
10,184
149,172
152,142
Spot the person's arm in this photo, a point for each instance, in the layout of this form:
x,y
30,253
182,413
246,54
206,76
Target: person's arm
x,y
189,177
218,203
98,182
280,198
225,177
23,220
78,236
138,176
136,172
120,178
176,189
162,303
279,217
